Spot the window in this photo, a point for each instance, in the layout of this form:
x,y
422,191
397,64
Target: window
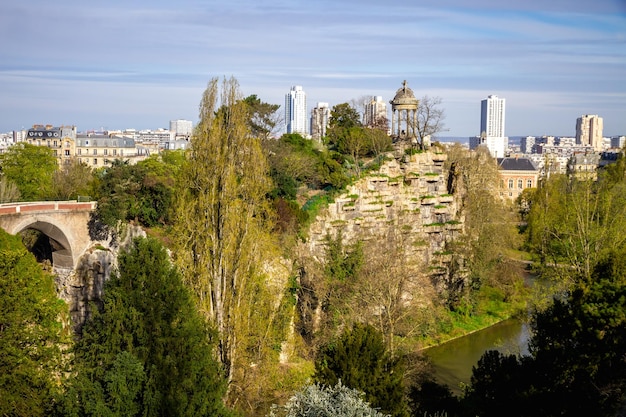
x,y
67,152
114,151
511,183
95,152
520,184
529,184
95,161
80,151
106,151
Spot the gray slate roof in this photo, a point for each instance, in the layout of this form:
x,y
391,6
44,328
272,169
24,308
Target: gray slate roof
x,y
516,164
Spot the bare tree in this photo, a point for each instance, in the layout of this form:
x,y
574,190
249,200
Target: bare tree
x,y
430,117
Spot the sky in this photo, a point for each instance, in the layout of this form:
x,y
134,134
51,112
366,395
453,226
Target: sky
x,y
141,63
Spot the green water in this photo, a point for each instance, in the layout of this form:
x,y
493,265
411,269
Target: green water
x,y
453,360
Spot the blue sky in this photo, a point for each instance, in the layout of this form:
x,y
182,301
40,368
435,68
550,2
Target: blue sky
x,y
139,63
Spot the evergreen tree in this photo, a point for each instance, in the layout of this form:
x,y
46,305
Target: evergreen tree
x,y
148,351
30,331
358,359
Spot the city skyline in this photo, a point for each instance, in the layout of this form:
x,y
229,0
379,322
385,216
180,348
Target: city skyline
x,y
138,65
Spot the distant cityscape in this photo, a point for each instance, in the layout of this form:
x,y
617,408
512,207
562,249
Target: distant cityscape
x,y
539,154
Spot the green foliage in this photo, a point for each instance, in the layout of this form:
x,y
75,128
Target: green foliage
x,y
148,351
30,332
359,360
490,229
262,118
577,364
577,222
222,239
143,192
72,180
31,168
342,264
326,401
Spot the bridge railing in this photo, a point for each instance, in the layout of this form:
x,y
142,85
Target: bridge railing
x,y
33,206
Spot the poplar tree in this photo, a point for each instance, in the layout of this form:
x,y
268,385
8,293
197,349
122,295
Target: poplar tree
x,y
222,221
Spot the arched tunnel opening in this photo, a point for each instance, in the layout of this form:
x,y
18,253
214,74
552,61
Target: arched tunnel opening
x,y
40,245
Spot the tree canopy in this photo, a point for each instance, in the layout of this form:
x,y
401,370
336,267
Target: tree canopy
x,y
148,352
358,358
31,332
31,168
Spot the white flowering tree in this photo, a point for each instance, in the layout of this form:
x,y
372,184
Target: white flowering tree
x,y
317,400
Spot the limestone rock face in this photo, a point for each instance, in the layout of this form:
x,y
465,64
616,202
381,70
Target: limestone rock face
x,y
408,196
84,285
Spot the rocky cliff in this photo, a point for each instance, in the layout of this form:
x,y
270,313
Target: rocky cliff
x,y
410,199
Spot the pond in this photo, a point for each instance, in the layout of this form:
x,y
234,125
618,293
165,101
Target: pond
x,y
453,360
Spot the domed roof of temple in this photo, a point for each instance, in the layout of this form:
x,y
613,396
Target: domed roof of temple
x,y
404,96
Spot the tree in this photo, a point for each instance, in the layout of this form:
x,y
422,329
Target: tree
x,y
343,119
148,351
430,118
359,360
223,224
576,222
344,116
72,180
326,401
490,228
262,117
31,332
8,191
577,364
31,168
143,192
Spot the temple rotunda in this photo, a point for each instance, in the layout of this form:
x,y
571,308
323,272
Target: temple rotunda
x,y
404,114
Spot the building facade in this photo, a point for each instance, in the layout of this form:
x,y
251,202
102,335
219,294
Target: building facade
x,y
91,149
296,111
516,175
320,115
181,128
589,131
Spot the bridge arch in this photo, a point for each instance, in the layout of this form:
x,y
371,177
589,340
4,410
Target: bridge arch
x,y
61,258
65,223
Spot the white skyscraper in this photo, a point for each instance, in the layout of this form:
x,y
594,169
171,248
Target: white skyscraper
x,y
492,110
492,117
296,111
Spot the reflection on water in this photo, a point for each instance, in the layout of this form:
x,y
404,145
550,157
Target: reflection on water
x,y
453,360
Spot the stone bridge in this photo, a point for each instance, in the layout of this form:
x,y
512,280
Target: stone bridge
x,y
64,222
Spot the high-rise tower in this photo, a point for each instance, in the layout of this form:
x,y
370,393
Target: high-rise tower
x,y
492,117
375,111
492,111
295,111
319,120
589,131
